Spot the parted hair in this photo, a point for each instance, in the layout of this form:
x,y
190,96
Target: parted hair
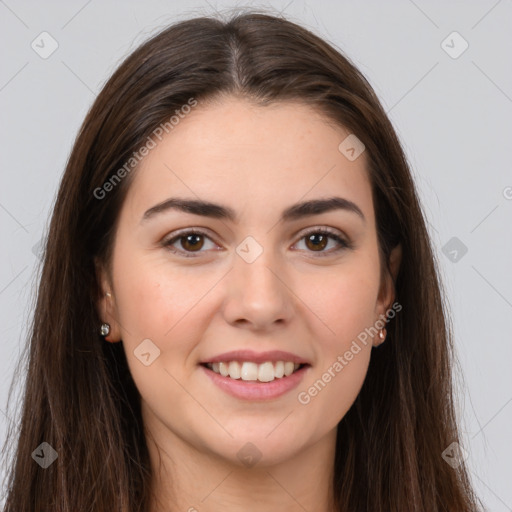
x,y
78,394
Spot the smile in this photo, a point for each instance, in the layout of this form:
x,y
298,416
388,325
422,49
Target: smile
x,y
249,371
251,381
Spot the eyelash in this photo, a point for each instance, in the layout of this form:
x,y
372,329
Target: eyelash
x,y
344,244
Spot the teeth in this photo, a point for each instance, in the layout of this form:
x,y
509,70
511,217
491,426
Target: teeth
x,y
279,369
265,372
248,371
223,369
288,368
234,370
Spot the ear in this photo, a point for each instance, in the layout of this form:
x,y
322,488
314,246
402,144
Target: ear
x,y
387,288
105,303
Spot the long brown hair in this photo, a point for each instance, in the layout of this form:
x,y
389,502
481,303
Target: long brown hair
x,y
79,396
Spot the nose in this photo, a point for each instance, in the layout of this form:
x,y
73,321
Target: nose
x,y
257,294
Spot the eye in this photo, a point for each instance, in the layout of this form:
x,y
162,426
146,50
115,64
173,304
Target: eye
x,y
318,238
192,241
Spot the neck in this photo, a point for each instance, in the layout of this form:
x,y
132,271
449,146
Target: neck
x,y
192,480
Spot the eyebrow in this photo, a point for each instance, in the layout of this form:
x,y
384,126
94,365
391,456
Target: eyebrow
x,y
217,211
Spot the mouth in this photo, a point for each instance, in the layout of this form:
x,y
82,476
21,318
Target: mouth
x,y
249,371
247,380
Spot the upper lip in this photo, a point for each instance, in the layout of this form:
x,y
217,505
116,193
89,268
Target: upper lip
x,y
256,357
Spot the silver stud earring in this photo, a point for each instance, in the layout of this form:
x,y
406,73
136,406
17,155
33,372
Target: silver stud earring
x,y
104,329
382,334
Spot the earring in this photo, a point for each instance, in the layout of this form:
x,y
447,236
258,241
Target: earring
x,y
382,334
104,329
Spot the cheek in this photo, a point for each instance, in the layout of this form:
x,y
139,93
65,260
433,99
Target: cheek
x,y
345,303
152,296
157,305
343,299
167,305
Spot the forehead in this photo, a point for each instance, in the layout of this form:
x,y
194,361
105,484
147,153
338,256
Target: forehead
x,y
252,158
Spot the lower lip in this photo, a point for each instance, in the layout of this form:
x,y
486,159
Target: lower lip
x,y
255,390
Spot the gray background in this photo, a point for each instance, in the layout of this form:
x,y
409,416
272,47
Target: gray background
x,y
452,115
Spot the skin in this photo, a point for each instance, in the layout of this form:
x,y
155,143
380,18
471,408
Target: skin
x,y
258,161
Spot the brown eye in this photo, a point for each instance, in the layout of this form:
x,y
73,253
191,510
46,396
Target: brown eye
x,y
316,241
192,242
188,243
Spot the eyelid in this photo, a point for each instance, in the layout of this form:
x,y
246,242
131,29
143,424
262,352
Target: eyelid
x,y
186,231
325,229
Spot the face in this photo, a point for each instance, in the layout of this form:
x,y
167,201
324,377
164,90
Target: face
x,y
187,287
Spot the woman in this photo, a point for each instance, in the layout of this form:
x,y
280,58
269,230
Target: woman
x,y
239,307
